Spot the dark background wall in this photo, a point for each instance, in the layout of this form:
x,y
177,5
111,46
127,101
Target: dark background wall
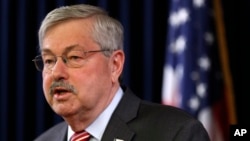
x,y
237,21
24,111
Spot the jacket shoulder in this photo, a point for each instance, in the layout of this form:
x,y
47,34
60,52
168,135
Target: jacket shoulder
x,y
55,133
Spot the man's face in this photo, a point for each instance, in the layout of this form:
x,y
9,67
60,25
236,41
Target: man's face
x,y
87,89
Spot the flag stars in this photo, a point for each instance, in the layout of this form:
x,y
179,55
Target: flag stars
x,y
198,3
209,38
179,17
179,45
194,103
201,90
204,63
179,71
195,76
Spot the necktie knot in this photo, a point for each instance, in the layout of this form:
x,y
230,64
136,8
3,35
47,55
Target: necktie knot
x,y
80,136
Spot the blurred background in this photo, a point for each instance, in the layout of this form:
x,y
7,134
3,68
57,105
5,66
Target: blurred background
x,y
149,34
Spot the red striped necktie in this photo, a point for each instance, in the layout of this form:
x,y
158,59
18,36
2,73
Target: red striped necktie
x,y
80,136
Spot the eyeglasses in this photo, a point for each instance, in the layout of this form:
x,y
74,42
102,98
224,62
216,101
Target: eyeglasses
x,y
73,59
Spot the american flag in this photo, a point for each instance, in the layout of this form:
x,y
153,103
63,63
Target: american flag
x,y
193,77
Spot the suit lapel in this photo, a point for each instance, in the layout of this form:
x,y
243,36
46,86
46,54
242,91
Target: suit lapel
x,y
62,132
117,129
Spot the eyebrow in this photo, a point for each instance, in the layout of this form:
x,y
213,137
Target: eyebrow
x,y
67,49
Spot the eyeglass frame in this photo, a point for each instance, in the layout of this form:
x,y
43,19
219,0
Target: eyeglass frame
x,y
38,59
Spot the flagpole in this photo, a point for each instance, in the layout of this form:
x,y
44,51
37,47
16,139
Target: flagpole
x,y
228,93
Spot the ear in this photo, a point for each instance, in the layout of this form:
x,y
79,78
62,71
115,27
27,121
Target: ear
x,y
117,63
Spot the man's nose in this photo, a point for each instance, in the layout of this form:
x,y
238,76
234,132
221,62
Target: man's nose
x,y
59,70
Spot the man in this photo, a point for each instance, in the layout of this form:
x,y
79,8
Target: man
x,y
81,61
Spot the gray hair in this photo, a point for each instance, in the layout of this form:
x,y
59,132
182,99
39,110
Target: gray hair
x,y
107,31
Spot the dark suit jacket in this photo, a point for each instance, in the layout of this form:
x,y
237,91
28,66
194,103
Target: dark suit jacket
x,y
138,120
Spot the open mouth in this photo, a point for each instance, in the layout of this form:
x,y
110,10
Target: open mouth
x,y
60,90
